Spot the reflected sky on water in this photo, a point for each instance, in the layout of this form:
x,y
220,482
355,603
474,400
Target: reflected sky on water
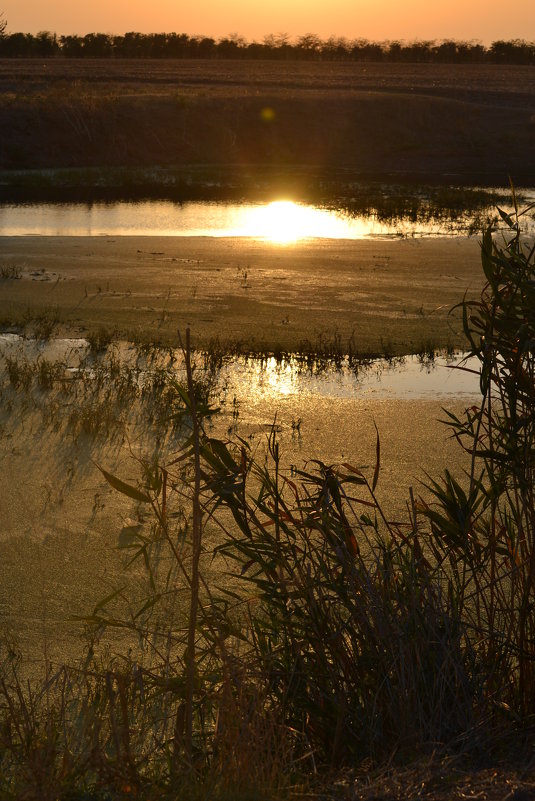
x,y
280,221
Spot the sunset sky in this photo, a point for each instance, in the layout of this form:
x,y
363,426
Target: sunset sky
x,y
484,20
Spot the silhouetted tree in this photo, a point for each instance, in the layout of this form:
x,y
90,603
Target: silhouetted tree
x,y
97,45
336,48
231,46
45,44
273,46
363,50
308,46
205,47
71,46
277,46
516,51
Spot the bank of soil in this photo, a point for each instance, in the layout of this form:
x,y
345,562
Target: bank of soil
x,y
463,122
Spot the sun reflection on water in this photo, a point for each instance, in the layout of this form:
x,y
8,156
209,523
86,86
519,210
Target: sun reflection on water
x,y
284,222
274,381
274,378
281,222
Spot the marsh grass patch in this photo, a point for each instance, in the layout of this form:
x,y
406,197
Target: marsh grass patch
x,y
10,272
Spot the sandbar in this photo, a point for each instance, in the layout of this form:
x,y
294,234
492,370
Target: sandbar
x,y
382,294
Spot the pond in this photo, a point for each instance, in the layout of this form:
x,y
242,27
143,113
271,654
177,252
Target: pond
x,y
280,221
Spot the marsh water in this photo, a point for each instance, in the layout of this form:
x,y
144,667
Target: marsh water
x,y
280,221
454,212
276,380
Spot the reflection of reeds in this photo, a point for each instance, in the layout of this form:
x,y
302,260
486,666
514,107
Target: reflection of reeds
x,y
451,210
102,395
325,353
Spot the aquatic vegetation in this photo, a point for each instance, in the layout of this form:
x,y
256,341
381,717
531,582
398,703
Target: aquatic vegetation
x,y
100,339
451,210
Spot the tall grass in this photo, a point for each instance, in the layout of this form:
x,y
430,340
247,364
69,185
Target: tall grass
x,y
288,629
490,526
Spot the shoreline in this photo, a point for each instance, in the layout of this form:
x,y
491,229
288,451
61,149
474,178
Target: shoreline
x,y
235,182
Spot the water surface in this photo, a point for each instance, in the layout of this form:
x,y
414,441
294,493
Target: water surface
x,y
280,221
404,378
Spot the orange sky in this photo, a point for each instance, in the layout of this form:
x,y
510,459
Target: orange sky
x,y
485,20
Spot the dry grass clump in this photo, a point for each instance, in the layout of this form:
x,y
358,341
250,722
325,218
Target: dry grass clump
x,y
10,272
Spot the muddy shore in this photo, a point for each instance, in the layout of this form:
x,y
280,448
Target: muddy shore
x,y
393,296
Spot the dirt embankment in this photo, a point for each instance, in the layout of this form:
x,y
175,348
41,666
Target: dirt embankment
x,y
470,122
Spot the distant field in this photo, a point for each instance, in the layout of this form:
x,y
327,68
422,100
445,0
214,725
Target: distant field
x,y
474,122
476,83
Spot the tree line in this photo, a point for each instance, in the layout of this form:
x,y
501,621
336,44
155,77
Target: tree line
x,y
273,46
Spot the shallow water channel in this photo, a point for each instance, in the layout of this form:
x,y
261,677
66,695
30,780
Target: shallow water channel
x,y
275,380
280,221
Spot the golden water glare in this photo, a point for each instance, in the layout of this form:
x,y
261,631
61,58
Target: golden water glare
x,y
284,222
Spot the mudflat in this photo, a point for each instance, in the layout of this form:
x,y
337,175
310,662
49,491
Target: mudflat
x,y
380,296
